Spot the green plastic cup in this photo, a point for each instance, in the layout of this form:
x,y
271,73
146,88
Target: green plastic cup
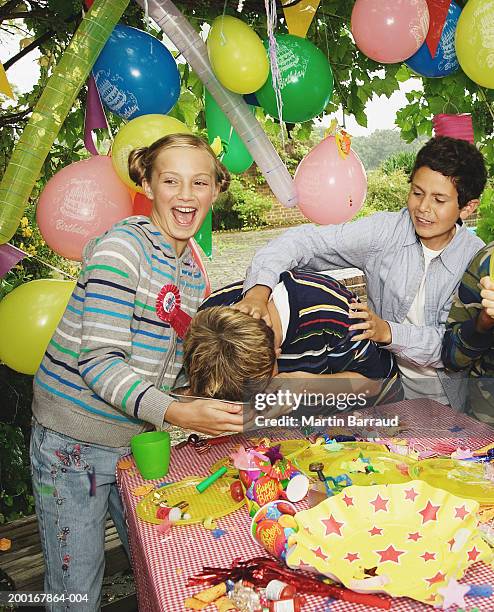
x,y
151,452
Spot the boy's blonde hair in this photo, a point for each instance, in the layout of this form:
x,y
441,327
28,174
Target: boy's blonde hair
x,y
142,160
228,354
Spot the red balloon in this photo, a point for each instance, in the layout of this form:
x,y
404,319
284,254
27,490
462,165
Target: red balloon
x,y
142,205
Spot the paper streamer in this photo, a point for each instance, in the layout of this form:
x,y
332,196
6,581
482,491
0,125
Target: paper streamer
x,y
299,15
51,110
438,11
10,256
5,87
95,116
189,43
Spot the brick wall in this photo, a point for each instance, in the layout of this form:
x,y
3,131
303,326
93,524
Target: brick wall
x,y
280,215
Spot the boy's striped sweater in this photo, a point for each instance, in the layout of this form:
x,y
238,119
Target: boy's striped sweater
x,y
111,359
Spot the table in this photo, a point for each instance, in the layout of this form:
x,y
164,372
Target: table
x,y
163,564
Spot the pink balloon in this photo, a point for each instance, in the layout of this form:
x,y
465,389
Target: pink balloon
x,y
79,202
330,189
390,31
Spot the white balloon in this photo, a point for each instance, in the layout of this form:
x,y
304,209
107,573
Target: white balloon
x,y
173,23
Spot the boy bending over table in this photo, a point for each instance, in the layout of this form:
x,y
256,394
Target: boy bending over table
x,y
230,355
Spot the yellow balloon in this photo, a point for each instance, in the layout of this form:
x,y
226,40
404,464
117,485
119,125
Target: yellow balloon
x,y
29,316
141,132
237,55
474,42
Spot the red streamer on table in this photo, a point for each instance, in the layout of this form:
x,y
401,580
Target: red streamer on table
x,y
261,570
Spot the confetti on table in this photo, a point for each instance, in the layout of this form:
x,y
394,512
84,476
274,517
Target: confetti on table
x,y
480,590
142,490
217,533
209,523
125,464
453,593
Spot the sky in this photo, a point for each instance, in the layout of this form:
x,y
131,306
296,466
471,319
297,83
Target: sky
x,y
381,111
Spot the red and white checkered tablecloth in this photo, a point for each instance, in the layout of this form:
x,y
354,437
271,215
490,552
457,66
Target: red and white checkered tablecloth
x,y
163,564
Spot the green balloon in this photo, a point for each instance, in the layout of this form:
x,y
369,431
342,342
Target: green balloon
x,y
204,236
306,80
236,157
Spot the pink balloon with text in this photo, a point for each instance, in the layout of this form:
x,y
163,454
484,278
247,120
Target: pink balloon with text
x,y
389,31
80,202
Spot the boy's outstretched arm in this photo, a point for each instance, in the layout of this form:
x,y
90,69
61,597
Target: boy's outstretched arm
x,y
317,248
470,322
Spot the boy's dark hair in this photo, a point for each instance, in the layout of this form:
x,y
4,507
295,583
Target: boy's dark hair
x,y
457,159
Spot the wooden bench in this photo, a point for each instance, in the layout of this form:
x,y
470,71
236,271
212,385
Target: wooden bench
x,y
22,567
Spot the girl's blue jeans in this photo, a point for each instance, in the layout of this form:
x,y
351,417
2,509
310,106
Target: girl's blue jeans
x,y
74,487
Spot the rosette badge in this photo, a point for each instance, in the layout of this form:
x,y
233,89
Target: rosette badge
x,y
168,309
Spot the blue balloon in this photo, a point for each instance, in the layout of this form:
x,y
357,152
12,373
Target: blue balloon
x,y
445,62
136,74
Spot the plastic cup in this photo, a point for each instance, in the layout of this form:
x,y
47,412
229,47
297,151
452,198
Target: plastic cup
x,y
272,526
151,452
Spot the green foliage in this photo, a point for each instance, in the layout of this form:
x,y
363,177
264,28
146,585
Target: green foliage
x,y
453,94
29,239
15,481
240,208
381,145
485,223
404,160
385,192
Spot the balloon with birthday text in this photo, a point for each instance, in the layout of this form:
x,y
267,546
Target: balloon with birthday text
x,y
331,189
136,74
389,31
306,80
445,61
80,202
475,41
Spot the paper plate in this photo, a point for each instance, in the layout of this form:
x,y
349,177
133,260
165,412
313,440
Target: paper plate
x,y
462,478
319,454
215,502
404,539
288,448
392,468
